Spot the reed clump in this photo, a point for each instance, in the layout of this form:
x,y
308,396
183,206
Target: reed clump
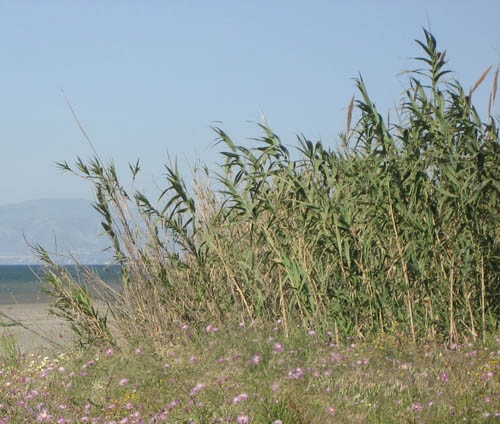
x,y
396,231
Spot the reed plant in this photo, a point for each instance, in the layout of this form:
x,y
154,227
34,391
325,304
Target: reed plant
x,y
395,231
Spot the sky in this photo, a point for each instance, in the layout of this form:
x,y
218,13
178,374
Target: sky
x,y
148,79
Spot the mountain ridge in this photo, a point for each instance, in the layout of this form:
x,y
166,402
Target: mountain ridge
x,y
67,226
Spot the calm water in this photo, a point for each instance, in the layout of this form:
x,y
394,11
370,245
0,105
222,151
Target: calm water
x,y
21,284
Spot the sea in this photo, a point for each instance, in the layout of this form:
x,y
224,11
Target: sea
x,y
23,283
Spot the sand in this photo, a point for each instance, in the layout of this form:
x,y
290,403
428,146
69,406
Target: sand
x,y
33,327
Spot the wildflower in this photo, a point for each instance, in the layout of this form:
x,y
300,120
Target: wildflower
x,y
277,422
243,419
240,398
123,382
110,352
444,377
44,417
330,410
416,406
278,347
296,374
256,359
197,389
138,351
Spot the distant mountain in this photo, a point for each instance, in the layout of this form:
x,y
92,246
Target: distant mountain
x,y
70,224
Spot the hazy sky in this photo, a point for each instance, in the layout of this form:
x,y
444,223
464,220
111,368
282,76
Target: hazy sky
x,y
147,78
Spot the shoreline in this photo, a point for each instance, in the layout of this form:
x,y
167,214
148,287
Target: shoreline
x,y
33,328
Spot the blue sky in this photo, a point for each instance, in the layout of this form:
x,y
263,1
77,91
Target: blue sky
x,y
149,78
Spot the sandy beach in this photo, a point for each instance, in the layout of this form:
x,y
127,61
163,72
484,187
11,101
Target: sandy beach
x,y
33,327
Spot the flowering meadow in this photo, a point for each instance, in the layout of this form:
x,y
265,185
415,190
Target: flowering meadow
x,y
251,373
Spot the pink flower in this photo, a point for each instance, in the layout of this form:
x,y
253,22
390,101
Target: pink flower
x,y
44,417
444,377
278,347
123,382
240,398
330,410
195,390
296,374
110,352
256,359
243,419
416,406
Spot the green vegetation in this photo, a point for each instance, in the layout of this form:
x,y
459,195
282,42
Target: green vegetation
x,y
398,231
255,374
394,236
